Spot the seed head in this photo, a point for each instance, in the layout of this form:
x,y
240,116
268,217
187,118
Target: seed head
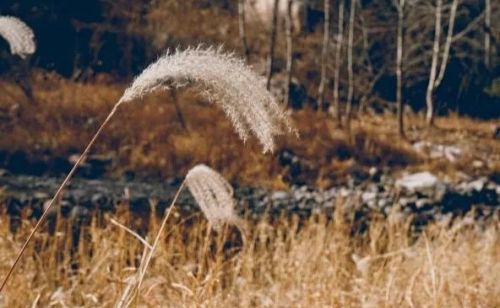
x,y
213,194
19,36
223,79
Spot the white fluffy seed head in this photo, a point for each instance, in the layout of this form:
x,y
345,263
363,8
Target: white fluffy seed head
x,y
213,194
19,36
224,80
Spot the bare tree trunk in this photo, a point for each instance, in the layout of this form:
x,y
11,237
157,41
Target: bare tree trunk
x,y
399,68
22,76
447,45
272,43
433,71
324,55
338,49
363,101
350,73
374,78
487,36
289,51
242,29
178,110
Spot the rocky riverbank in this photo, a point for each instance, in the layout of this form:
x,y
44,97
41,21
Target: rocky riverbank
x,y
422,195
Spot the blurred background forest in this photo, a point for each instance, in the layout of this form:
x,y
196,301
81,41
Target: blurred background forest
x,y
364,60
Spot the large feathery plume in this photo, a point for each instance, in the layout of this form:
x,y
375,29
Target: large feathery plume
x,y
224,80
19,36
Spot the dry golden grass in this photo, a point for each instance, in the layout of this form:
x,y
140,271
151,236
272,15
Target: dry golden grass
x,y
286,263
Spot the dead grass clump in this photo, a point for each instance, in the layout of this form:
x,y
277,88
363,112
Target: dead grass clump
x,y
150,141
287,263
371,149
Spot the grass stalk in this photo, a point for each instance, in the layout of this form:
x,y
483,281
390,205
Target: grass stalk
x,y
143,267
57,194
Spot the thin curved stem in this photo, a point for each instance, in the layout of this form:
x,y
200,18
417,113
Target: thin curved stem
x,y
157,239
58,193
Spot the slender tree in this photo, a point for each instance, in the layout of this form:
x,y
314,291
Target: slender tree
x,y
178,111
324,55
434,64
242,29
447,44
400,5
487,35
289,51
350,72
437,75
272,43
338,49
373,75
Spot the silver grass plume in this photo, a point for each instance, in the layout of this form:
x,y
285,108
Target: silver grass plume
x,y
19,36
213,194
223,79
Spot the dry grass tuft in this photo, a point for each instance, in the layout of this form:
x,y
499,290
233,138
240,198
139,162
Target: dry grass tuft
x,y
19,36
287,263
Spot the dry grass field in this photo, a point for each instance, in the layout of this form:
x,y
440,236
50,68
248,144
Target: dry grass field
x,y
284,263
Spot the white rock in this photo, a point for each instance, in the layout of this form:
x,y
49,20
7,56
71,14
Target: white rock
x,y
279,195
478,184
418,181
437,151
368,196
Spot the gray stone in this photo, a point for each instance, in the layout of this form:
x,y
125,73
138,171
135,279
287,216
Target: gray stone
x,y
382,203
416,193
418,181
478,184
421,203
438,151
368,196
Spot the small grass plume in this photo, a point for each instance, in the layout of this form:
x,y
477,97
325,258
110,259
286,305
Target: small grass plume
x,y
19,36
222,78
213,194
